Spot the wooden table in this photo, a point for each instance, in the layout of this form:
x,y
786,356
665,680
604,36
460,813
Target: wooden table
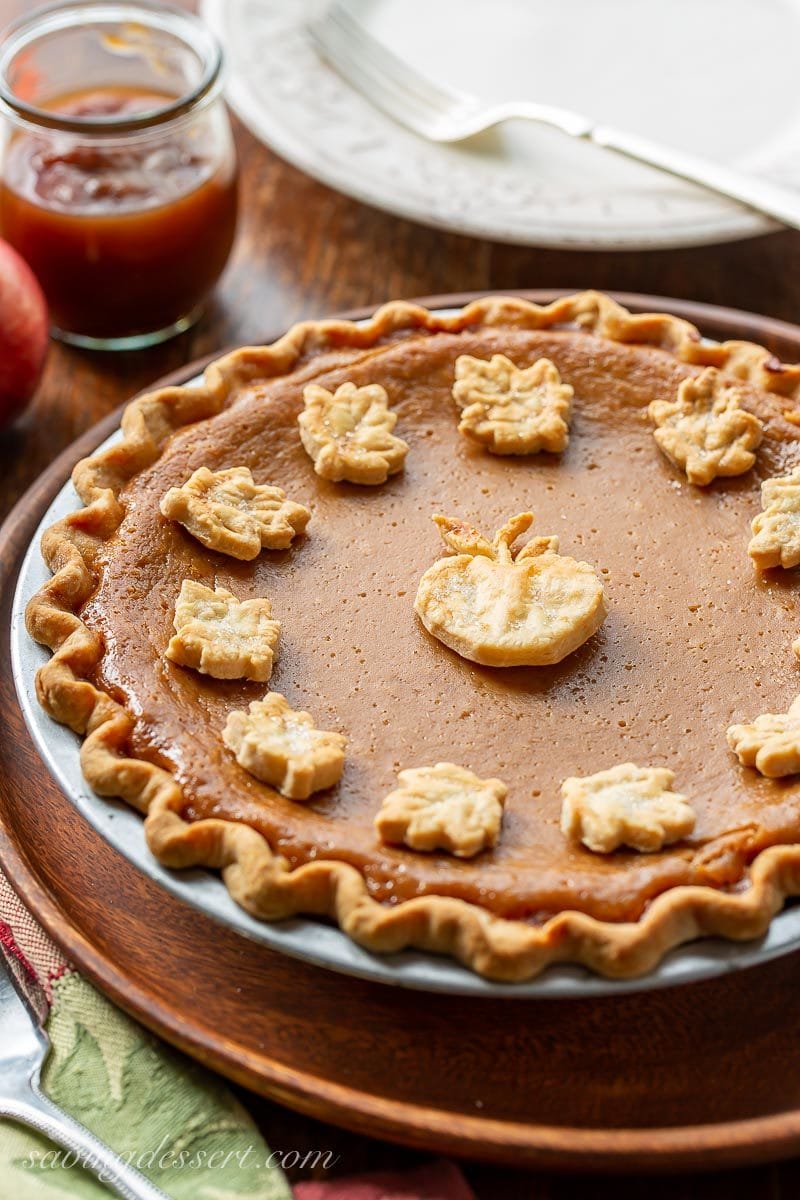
x,y
304,251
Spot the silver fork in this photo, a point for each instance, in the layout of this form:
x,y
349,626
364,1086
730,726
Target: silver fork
x,y
23,1049
441,115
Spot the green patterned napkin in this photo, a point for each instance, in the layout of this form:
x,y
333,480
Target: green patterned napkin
x,y
178,1123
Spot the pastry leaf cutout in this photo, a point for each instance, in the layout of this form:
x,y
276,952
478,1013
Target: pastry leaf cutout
x,y
626,805
445,807
771,743
705,431
348,433
510,409
284,748
229,512
776,530
222,636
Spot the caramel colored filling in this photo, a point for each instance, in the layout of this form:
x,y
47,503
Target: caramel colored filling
x,y
695,639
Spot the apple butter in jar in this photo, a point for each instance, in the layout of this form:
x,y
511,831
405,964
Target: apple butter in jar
x,y
119,180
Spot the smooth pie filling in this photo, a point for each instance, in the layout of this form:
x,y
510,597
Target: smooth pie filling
x,y
695,640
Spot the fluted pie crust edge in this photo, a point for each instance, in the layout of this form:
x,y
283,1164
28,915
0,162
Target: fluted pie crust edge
x,y
263,882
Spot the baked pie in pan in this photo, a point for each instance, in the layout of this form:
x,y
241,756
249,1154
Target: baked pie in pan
x,y
470,633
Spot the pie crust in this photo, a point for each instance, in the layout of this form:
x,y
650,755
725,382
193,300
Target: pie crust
x,y
746,871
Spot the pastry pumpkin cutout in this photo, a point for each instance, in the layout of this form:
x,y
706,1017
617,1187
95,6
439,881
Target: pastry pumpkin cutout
x,y
502,609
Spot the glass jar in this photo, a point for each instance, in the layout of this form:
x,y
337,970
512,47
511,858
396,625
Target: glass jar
x,y
118,180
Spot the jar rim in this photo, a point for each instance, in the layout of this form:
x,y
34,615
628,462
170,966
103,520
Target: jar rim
x,y
58,17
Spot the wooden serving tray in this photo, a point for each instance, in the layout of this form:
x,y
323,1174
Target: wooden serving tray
x,y
697,1076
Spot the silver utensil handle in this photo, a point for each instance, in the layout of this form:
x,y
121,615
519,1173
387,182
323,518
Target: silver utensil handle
x,y
768,198
35,1110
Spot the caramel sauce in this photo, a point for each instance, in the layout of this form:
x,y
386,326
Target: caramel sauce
x,y
123,238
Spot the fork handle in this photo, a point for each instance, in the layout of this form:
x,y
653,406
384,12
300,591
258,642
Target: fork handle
x,y
34,1109
771,199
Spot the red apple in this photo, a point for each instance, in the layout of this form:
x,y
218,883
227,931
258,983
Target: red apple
x,y
23,334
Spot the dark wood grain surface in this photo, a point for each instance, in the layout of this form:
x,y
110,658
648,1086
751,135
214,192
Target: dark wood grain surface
x,y
305,251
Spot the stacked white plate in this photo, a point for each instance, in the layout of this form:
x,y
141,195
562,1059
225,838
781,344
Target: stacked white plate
x,y
716,77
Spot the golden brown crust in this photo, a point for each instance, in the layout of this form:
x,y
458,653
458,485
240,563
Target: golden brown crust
x,y
262,881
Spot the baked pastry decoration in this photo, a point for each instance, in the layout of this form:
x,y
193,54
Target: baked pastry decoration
x,y
705,431
776,530
445,807
219,635
771,744
284,748
503,608
229,512
679,647
348,434
625,806
510,409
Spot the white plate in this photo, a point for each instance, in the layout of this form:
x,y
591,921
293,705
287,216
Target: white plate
x,y
716,77
304,938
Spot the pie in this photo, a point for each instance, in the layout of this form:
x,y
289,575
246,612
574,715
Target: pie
x,y
599,803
